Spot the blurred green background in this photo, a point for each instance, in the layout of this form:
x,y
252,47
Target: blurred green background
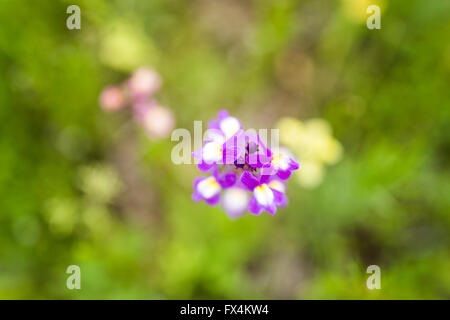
x,y
81,186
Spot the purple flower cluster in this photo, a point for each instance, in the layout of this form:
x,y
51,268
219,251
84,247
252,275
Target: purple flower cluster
x,y
138,92
244,174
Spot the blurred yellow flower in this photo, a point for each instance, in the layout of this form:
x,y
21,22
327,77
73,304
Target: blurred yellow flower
x,y
62,215
97,218
100,183
355,10
125,47
312,142
311,174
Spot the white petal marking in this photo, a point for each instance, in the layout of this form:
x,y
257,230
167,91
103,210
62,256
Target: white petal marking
x,y
235,200
264,195
208,187
229,126
280,161
212,152
277,185
215,135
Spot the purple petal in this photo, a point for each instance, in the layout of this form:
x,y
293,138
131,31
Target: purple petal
x,y
205,167
249,180
227,180
263,148
260,142
272,209
234,149
214,200
278,196
283,202
254,207
196,196
284,174
229,154
268,170
264,179
251,138
222,114
293,165
213,124
258,160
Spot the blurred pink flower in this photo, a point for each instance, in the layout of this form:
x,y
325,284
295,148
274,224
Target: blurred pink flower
x,y
140,108
158,121
143,83
138,90
112,98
